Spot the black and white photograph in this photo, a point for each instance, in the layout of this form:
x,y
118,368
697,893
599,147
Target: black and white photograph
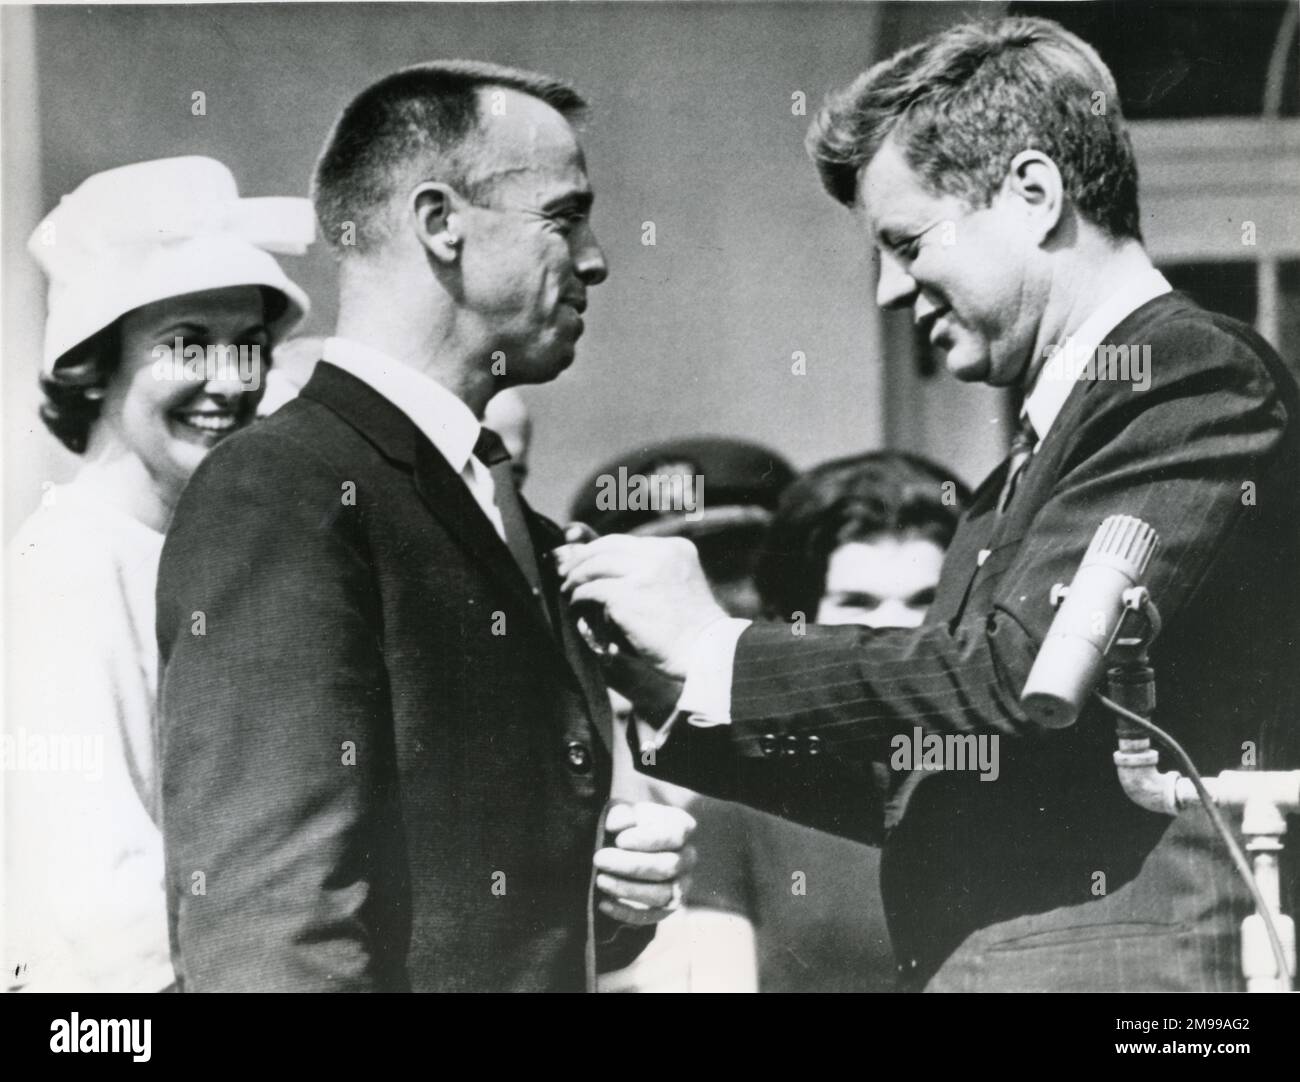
x,y
636,497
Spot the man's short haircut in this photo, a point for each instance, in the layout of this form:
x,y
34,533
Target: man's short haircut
x,y
963,103
859,498
420,123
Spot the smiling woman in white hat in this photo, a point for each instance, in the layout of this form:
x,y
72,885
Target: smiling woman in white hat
x,y
164,305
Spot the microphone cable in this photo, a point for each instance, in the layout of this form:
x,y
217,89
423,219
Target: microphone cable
x,y
1234,848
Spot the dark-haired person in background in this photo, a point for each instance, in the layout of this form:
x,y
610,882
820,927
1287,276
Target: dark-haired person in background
x,y
137,257
388,752
990,166
859,540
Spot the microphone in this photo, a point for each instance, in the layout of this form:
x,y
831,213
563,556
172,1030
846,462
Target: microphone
x,y
1073,655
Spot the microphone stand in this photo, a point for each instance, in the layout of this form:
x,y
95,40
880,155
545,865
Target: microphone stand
x,y
1264,796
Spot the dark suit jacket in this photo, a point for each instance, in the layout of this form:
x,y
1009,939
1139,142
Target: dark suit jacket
x,y
1048,877
375,750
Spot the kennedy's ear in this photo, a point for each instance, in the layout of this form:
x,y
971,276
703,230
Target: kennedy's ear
x,y
435,212
1034,179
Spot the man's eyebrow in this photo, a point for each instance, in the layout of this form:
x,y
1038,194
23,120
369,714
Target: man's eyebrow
x,y
181,327
858,599
194,329
579,200
892,234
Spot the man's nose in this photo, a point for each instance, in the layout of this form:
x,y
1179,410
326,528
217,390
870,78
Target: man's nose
x,y
236,375
590,260
896,288
229,389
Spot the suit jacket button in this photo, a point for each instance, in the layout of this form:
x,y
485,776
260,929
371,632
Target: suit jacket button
x,y
578,756
814,745
791,744
767,744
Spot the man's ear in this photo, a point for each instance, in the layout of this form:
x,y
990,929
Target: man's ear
x,y
435,212
1034,179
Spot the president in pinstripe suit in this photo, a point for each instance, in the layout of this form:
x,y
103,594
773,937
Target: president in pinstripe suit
x,y
991,168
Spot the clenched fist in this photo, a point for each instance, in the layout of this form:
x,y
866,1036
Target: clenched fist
x,y
644,872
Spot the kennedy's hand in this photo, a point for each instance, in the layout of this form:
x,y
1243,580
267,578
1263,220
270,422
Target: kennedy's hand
x,y
644,873
652,587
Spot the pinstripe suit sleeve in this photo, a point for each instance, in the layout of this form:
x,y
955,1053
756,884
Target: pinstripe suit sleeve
x,y
1176,454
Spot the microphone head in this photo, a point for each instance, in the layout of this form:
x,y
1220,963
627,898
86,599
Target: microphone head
x,y
1073,654
1125,543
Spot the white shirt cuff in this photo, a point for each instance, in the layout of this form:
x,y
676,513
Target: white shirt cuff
x,y
706,695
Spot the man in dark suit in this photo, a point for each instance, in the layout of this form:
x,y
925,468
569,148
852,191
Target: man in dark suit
x,y
990,166
386,752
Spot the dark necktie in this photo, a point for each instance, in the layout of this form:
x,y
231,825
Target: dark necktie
x,y
489,450
1022,449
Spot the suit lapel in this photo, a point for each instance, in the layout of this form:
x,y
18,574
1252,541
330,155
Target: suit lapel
x,y
448,498
440,488
962,561
982,529
581,660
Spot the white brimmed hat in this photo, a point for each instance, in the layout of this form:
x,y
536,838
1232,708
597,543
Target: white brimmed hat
x,y
145,232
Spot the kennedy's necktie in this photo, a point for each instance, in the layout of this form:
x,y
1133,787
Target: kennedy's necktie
x,y
493,454
1022,448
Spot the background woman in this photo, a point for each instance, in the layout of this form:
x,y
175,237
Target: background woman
x,y
164,305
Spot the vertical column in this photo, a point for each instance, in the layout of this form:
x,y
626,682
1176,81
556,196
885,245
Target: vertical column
x,y
29,456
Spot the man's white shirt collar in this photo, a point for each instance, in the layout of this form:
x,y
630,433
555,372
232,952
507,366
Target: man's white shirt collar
x,y
449,424
445,420
1045,402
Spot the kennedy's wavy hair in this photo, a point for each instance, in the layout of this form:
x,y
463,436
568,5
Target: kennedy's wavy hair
x,y
963,103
